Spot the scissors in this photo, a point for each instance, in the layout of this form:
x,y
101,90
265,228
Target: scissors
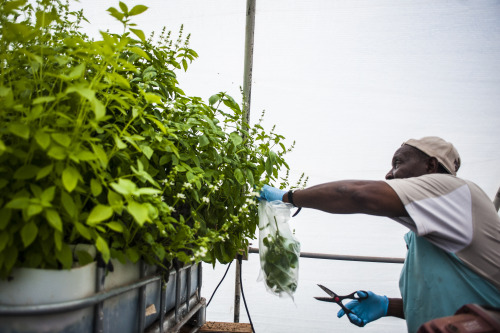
x,y
334,298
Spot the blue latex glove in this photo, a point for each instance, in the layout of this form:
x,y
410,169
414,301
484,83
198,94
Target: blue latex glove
x,y
366,310
270,193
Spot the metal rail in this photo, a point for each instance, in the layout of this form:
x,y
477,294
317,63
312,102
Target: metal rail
x,y
327,256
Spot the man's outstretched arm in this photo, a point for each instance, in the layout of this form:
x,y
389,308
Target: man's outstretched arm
x,y
351,196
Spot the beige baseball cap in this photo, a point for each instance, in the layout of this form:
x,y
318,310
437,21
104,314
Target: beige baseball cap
x,y
443,151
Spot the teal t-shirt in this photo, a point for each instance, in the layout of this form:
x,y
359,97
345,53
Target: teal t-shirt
x,y
435,283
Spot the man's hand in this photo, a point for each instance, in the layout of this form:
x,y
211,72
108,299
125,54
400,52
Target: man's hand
x,y
270,193
366,310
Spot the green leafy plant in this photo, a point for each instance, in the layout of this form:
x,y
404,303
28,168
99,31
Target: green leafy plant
x,y
281,261
99,145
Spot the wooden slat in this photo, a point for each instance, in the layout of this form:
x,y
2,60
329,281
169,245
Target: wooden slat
x,y
212,326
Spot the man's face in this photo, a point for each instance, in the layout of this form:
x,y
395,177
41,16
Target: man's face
x,y
407,162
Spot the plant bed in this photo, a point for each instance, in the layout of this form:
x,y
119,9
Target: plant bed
x,y
100,146
38,300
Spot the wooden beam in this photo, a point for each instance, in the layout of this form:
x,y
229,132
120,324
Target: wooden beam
x,y
212,326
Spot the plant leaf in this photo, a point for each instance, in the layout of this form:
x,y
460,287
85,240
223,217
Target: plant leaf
x,y
33,209
5,215
44,172
138,9
75,73
115,201
43,18
54,219
20,129
62,139
235,138
18,203
68,204
240,178
43,99
28,233
102,247
4,240
65,256
214,99
48,195
139,33
140,212
116,226
124,8
95,187
70,178
132,255
101,155
98,214
115,13
58,240
26,172
83,230
124,187
57,152
84,258
203,140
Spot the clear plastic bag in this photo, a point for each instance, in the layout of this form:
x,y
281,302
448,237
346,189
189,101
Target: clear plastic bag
x,y
279,250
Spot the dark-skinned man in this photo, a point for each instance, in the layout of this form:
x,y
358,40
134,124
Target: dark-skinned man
x,y
453,244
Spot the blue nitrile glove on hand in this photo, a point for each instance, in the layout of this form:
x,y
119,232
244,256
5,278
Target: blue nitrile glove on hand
x,y
367,309
270,193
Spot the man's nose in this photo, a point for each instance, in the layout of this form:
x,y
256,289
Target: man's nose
x,y
389,175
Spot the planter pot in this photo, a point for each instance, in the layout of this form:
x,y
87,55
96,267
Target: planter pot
x,y
43,286
38,300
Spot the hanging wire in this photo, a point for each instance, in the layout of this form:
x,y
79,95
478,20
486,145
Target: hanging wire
x,y
243,295
228,266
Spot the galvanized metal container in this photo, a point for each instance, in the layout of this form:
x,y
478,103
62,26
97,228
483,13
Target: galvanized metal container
x,y
132,298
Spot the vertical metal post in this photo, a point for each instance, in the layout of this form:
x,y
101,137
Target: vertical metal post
x,y
237,292
177,294
247,73
141,306
247,93
163,294
188,287
199,280
98,309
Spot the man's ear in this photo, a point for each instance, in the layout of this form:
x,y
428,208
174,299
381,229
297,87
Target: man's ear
x,y
432,165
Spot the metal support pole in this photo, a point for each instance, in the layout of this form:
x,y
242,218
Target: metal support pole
x,y
247,73
163,294
247,93
141,306
98,309
237,292
177,294
188,287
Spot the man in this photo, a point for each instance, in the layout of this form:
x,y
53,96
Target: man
x,y
453,244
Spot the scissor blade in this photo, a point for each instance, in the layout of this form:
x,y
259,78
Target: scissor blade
x,y
328,291
325,299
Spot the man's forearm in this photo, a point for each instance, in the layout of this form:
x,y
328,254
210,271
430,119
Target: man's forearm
x,y
395,308
349,197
